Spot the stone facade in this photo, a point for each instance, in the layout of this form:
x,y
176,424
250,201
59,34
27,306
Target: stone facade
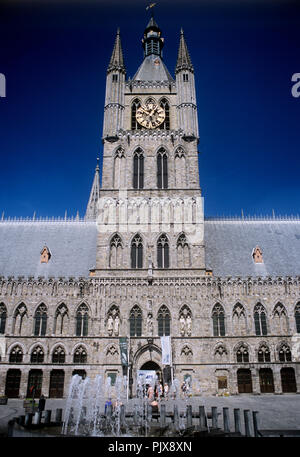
x,y
51,327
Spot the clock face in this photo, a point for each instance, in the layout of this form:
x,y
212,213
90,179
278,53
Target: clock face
x,y
150,115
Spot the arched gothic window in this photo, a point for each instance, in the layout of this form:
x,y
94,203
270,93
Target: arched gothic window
x,y
260,320
138,169
162,169
16,355
239,320
3,315
297,317
221,353
116,252
37,355
19,319
242,354
61,320
134,107
40,321
119,169
284,353
280,320
165,105
137,252
80,355
183,252
82,318
264,354
135,321
59,355
180,168
218,320
163,321
163,252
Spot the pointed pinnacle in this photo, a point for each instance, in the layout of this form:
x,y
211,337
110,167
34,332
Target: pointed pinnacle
x,y
116,60
183,60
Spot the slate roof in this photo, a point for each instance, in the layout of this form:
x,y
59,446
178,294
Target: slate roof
x,y
153,69
72,246
229,245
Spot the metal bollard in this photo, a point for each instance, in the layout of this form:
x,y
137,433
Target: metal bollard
x,y
10,427
122,415
28,419
58,415
176,417
226,420
163,415
47,418
189,416
202,418
214,415
237,420
247,422
135,415
37,418
255,423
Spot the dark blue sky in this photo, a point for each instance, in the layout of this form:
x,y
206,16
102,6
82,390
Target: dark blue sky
x,y
55,54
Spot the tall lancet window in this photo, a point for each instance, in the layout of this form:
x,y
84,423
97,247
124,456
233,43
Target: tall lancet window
x,y
162,169
40,321
163,321
134,107
183,252
165,105
180,168
163,252
116,252
218,320
82,318
260,320
138,169
119,169
137,252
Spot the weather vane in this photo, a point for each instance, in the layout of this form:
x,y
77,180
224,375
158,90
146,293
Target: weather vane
x,y
152,5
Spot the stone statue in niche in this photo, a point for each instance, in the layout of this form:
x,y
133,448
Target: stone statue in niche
x,y
189,325
150,324
182,325
110,325
117,325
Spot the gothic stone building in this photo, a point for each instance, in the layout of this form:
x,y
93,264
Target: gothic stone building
x,y
145,262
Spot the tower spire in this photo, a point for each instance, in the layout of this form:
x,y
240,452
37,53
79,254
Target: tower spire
x,y
116,60
183,60
91,210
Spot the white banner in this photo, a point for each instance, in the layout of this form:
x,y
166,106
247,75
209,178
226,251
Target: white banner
x,y
166,350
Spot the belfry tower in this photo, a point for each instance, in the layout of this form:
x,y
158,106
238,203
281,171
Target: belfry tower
x,y
150,213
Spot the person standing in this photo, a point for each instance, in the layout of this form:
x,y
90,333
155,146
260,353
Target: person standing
x,y
42,402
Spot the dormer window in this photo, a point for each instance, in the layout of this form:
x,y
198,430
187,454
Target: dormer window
x,y
45,255
257,255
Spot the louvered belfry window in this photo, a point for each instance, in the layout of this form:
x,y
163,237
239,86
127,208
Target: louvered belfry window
x,y
137,252
163,252
162,169
138,169
134,107
163,321
135,321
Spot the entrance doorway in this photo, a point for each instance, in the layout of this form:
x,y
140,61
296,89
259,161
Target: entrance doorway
x,y
244,381
152,366
288,380
266,380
